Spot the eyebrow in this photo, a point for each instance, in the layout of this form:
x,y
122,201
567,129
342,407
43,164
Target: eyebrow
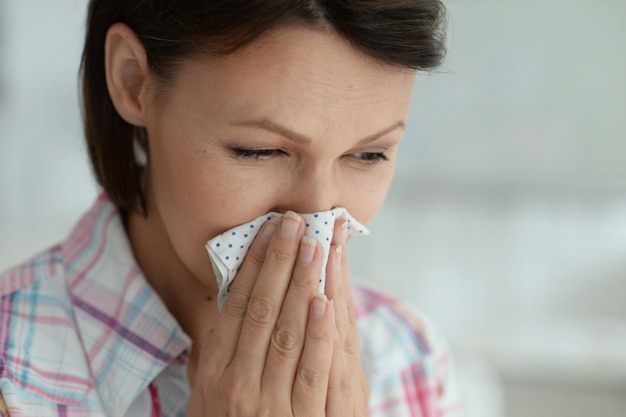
x,y
273,127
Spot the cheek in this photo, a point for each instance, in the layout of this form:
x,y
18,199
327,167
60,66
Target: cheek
x,y
196,199
366,195
202,193
199,198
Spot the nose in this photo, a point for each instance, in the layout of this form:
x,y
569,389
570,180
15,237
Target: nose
x,y
309,191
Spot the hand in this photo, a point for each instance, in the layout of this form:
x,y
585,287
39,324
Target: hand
x,y
273,349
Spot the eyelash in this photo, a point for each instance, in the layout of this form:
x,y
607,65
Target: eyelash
x,y
252,153
369,158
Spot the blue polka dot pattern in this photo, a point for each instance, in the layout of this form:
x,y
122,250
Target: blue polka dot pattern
x,y
227,250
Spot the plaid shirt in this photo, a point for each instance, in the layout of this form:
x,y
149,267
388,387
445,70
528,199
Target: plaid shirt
x,y
82,333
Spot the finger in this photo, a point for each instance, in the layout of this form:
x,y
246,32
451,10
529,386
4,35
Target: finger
x,y
339,400
334,285
340,232
334,288
351,342
267,296
228,328
288,336
310,386
352,347
333,268
338,288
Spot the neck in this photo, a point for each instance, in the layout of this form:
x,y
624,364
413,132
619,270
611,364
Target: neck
x,y
191,302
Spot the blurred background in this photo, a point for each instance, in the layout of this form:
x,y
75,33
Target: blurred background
x,y
509,202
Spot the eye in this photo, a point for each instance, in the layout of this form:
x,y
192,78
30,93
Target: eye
x,y
370,157
255,153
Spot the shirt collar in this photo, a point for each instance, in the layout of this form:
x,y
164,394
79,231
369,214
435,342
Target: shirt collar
x,y
128,334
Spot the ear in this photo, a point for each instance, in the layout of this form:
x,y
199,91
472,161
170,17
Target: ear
x,y
127,74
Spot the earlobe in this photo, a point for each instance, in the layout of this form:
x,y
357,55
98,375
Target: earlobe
x,y
127,73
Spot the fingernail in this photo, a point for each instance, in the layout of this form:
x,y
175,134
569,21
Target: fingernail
x,y
318,306
338,257
290,224
307,250
268,230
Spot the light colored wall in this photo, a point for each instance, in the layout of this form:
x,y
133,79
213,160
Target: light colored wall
x,y
44,179
507,223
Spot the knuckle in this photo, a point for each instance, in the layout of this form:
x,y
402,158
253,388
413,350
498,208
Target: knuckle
x,y
342,386
255,257
321,336
285,340
302,281
310,376
349,347
236,304
280,255
261,311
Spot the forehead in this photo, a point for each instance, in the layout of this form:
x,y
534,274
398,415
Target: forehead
x,y
295,70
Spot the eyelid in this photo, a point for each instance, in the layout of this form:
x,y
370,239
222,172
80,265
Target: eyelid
x,y
381,146
372,149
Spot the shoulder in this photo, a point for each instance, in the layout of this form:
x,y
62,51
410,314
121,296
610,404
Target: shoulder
x,y
38,339
33,295
40,268
408,361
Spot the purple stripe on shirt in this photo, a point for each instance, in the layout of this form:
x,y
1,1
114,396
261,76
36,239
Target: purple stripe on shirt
x,y
126,334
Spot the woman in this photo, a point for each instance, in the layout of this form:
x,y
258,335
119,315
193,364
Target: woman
x,y
200,116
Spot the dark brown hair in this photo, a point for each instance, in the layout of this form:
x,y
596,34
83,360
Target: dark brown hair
x,y
404,33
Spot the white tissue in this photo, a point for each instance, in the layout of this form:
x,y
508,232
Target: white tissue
x,y
228,250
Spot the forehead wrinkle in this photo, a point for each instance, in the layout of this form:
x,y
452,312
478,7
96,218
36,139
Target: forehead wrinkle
x,y
329,94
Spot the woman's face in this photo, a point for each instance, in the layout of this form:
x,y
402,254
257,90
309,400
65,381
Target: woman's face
x,y
298,120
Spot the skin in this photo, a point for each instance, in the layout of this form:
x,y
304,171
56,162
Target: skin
x,y
298,120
